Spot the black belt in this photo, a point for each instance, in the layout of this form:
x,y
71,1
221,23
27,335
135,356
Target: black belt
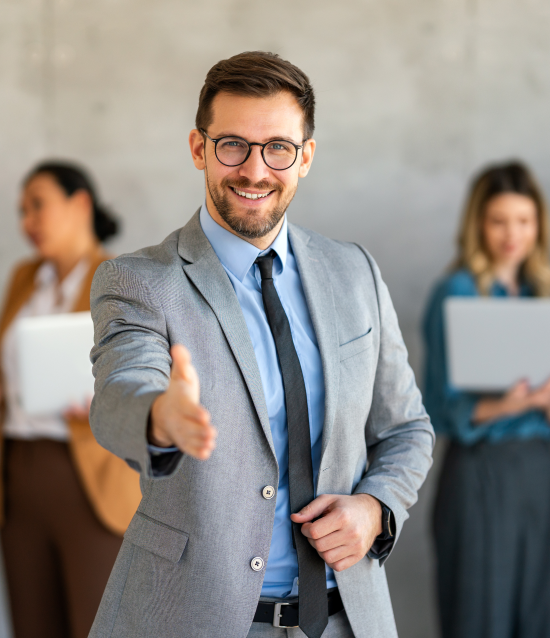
x,y
285,615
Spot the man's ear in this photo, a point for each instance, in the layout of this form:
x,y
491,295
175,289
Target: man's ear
x,y
308,151
196,144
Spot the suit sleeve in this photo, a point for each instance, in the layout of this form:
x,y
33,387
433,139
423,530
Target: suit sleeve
x,y
398,432
131,365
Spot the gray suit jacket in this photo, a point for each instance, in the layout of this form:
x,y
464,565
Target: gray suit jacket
x,y
184,567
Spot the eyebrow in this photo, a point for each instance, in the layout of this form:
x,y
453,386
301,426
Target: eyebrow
x,y
283,138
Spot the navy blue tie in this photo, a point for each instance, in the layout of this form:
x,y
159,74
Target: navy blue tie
x,y
313,604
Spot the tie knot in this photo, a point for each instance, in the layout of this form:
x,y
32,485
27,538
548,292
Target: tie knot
x,y
265,264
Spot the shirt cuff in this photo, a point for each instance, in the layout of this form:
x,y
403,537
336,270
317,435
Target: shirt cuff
x,y
382,546
164,460
155,450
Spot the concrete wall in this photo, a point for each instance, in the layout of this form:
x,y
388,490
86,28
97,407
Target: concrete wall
x,y
413,95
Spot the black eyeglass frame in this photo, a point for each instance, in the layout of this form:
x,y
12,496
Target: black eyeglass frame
x,y
250,145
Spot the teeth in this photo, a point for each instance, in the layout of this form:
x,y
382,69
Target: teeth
x,y
250,195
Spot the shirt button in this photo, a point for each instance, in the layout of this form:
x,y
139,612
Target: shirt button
x,y
268,492
257,564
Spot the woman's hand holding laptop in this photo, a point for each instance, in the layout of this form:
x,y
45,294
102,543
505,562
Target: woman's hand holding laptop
x,y
520,398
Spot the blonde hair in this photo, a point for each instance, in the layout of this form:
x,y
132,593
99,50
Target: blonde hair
x,y
513,177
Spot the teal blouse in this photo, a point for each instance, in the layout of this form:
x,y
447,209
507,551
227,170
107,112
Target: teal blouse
x,y
449,408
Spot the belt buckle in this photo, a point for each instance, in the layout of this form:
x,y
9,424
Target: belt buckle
x,y
277,617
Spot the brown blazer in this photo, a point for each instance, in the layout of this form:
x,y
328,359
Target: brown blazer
x,y
111,486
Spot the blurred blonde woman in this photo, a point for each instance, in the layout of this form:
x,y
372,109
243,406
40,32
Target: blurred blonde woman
x,y
492,513
67,501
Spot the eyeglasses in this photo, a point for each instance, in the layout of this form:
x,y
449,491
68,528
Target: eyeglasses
x,y
234,151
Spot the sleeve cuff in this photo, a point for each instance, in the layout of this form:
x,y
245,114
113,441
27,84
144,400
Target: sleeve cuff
x,y
382,546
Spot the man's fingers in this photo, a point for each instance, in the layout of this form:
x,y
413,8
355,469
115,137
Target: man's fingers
x,y
188,411
198,446
345,563
177,417
335,550
336,554
314,509
328,542
192,431
333,521
199,440
199,453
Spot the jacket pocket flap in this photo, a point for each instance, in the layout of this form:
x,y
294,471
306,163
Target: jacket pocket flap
x,y
156,537
355,346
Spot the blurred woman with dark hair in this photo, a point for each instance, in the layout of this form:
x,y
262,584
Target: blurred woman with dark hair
x,y
67,501
492,512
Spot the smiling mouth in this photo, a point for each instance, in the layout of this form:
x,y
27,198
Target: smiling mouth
x,y
250,195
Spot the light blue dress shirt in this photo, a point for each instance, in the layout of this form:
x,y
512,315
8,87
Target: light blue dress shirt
x,y
237,257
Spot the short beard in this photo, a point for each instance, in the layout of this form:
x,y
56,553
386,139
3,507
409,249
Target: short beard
x,y
249,225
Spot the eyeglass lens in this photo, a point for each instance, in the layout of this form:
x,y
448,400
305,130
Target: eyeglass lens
x,y
278,154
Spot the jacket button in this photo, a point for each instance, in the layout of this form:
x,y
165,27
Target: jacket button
x,y
268,492
257,564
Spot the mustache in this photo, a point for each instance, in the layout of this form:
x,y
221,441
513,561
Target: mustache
x,y
244,182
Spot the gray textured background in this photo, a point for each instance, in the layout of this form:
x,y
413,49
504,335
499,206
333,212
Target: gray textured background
x,y
413,95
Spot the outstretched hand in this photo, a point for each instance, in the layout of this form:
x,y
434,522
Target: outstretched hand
x,y
345,529
177,417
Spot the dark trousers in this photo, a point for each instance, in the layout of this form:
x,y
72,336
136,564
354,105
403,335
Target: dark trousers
x,y
492,532
57,555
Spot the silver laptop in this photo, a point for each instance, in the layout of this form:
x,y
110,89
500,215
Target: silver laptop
x,y
54,361
493,343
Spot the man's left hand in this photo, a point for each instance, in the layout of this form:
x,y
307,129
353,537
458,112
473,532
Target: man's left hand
x,y
345,529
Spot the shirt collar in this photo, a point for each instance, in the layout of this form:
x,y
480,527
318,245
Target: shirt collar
x,y
236,254
46,275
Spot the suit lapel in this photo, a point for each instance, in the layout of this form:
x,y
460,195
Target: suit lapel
x,y
208,275
320,301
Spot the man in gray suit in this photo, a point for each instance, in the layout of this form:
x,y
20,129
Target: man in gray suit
x,y
274,492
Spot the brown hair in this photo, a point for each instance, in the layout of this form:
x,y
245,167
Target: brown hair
x,y
513,177
256,74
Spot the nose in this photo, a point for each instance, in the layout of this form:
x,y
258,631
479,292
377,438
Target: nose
x,y
255,169
511,231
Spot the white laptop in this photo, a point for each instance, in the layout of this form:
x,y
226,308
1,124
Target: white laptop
x,y
493,343
54,361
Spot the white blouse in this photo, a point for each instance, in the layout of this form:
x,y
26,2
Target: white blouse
x,y
49,298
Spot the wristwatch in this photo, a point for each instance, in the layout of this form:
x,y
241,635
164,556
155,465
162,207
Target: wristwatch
x,y
388,524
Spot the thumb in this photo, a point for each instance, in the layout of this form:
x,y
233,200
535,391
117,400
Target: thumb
x,y
183,369
181,360
313,509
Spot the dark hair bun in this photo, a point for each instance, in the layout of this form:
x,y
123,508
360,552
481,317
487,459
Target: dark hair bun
x,y
72,178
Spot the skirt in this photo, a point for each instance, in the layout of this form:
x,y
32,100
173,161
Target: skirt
x,y
492,537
